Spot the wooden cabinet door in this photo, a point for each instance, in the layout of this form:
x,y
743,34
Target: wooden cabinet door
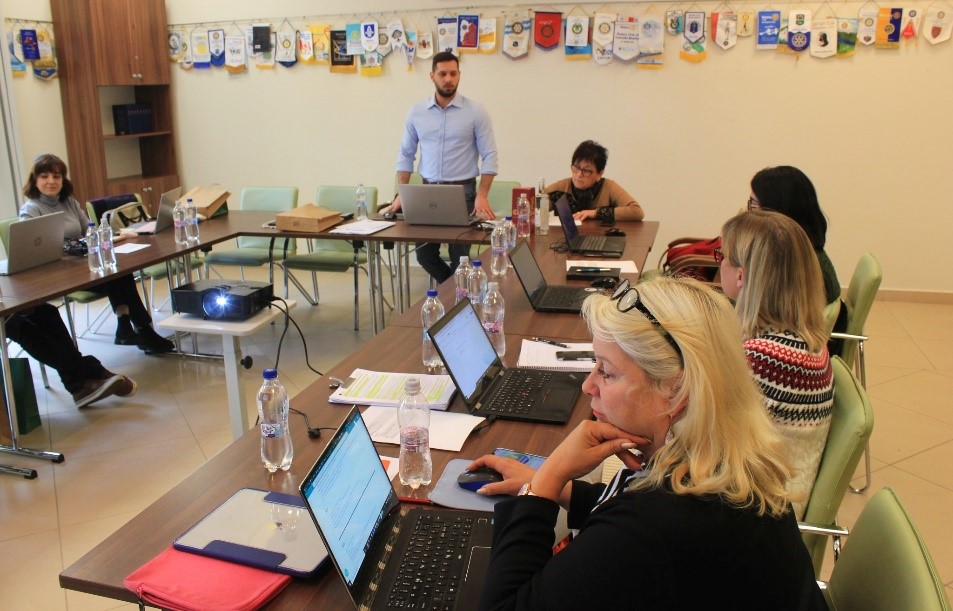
x,y
130,42
150,56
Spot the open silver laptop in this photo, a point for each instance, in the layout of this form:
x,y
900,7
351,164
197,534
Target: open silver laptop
x,y
434,205
33,242
164,219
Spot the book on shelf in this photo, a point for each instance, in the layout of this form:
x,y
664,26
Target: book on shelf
x,y
539,355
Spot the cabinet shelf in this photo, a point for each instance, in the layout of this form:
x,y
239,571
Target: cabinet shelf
x,y
167,132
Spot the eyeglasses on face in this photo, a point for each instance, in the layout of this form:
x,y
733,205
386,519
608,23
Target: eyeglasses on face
x,y
627,298
587,172
753,203
718,255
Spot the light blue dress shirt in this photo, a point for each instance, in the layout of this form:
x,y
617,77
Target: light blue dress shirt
x,y
456,142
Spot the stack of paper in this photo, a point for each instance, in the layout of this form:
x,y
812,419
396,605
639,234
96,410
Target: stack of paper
x,y
538,355
379,388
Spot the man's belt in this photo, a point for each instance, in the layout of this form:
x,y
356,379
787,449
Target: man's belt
x,y
466,181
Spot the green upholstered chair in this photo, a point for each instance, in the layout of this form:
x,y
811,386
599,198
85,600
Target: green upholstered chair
x,y
332,255
852,421
861,293
885,564
257,251
501,197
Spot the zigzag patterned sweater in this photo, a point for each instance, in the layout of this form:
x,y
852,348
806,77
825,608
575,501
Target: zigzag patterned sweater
x,y
798,389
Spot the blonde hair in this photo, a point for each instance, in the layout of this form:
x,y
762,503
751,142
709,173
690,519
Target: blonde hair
x,y
783,287
723,441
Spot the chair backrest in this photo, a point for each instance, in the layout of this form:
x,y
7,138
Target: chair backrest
x,y
96,207
861,292
341,199
885,564
272,199
501,197
5,231
852,421
831,311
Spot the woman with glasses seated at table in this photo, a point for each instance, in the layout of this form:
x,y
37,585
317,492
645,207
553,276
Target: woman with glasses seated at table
x,y
590,195
769,269
49,190
699,513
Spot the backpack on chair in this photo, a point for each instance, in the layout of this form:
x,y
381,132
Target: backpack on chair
x,y
691,257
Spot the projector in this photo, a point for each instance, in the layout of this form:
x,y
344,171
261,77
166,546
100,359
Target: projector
x,y
222,299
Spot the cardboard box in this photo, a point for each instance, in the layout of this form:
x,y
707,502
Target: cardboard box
x,y
208,199
308,218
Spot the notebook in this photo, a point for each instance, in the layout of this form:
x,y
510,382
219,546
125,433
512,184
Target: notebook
x,y
369,536
490,389
33,242
434,205
588,245
266,530
164,219
539,355
542,296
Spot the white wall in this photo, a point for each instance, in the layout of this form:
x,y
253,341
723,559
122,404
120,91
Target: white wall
x,y
872,131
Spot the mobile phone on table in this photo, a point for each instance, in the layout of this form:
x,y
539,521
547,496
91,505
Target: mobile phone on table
x,y
532,460
575,355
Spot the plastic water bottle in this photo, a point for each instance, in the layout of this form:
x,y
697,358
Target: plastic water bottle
x,y
493,312
180,222
461,279
522,217
498,261
192,223
106,246
510,233
276,448
431,312
95,257
477,287
361,197
413,417
542,227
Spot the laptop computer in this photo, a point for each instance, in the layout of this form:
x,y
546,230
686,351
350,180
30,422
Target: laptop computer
x,y
587,245
33,242
434,205
164,219
544,297
490,389
374,544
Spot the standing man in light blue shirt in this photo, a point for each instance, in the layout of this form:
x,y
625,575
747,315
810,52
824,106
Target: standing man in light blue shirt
x,y
456,141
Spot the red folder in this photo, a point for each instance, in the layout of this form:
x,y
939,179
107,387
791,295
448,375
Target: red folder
x,y
188,582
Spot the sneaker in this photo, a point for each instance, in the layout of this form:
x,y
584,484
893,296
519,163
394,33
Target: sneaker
x,y
125,387
94,390
152,343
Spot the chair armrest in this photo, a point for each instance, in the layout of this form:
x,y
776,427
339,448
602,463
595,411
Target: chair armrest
x,y
834,532
838,335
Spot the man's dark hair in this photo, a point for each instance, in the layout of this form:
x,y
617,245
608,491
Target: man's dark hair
x,y
593,152
444,56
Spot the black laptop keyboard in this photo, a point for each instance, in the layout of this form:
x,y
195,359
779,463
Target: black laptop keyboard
x,y
561,297
432,568
517,392
591,242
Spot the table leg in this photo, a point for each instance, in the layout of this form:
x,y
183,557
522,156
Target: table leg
x,y
232,350
377,286
14,447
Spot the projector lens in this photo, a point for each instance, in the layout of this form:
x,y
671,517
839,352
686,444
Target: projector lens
x,y
215,303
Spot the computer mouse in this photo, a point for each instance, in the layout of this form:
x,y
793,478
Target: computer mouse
x,y
389,216
605,282
615,232
476,479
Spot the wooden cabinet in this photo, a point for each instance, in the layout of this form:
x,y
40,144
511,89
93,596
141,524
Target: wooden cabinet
x,y
113,52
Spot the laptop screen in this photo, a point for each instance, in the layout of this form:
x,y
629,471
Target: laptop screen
x,y
565,218
349,495
526,267
465,349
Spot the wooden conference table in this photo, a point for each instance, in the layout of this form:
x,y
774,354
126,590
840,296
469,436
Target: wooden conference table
x,y
102,570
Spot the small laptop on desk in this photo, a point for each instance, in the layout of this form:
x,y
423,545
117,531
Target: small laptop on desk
x,y
490,389
587,245
33,242
544,297
376,547
434,205
164,219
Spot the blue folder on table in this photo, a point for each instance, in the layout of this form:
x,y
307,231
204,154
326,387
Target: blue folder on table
x,y
267,530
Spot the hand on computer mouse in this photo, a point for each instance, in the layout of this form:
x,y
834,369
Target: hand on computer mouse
x,y
615,231
477,478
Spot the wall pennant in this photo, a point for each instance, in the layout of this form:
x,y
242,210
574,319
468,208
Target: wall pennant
x,y
266,59
577,31
888,28
424,44
867,25
724,26
410,49
383,42
546,30
216,47
824,38
651,42
17,67
746,23
468,32
910,24
342,62
674,21
938,24
321,40
693,39
29,45
286,48
369,38
447,34
846,36
371,63
353,33
625,39
201,55
176,47
769,28
235,57
516,36
395,29
799,30
305,46
487,35
602,34
45,68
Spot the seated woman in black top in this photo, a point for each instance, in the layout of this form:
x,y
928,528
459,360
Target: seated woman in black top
x,y
699,517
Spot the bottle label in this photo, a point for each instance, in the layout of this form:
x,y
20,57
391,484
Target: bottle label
x,y
493,326
271,430
93,250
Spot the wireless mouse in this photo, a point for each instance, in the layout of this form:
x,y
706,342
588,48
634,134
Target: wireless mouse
x,y
615,232
476,479
605,282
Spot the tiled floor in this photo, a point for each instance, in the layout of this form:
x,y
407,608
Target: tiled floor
x,y
179,419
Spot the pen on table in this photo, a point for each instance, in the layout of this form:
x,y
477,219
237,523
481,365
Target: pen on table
x,y
548,341
594,269
410,499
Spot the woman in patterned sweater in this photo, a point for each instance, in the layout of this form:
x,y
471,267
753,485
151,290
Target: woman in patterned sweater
x,y
769,268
